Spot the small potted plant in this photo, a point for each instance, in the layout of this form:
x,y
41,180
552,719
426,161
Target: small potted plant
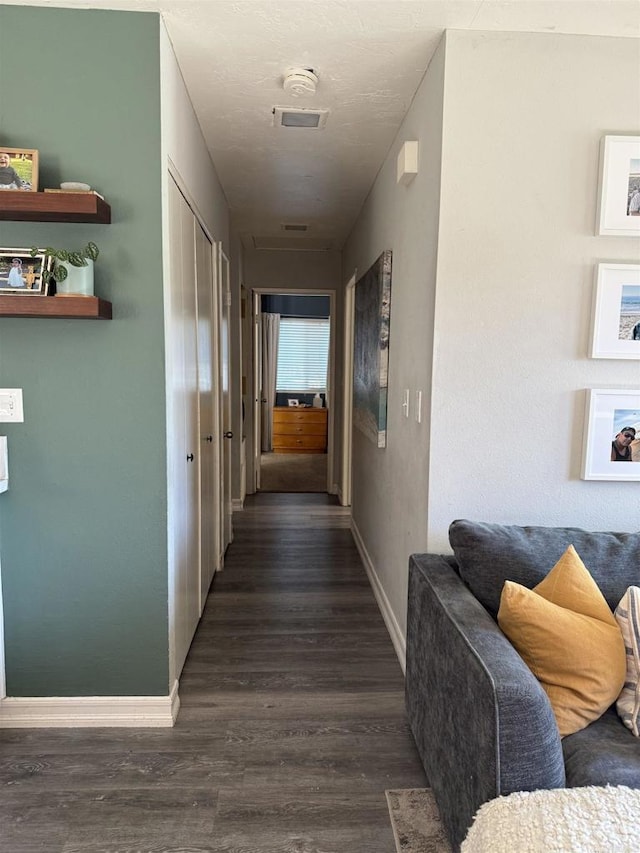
x,y
72,271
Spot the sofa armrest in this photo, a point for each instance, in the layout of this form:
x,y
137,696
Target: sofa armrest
x,y
481,721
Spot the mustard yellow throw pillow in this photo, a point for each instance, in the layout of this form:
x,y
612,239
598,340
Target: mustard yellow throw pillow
x,y
569,638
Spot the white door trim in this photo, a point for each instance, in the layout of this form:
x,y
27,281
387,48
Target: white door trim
x,y
257,389
347,390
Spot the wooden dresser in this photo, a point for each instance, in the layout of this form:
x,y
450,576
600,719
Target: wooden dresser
x,y
298,430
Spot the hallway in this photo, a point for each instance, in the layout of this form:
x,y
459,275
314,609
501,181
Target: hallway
x,y
292,722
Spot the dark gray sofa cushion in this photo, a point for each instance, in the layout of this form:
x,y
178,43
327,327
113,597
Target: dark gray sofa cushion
x,y
489,554
605,753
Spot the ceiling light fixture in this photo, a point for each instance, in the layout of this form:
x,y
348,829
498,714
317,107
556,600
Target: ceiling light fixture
x,y
300,81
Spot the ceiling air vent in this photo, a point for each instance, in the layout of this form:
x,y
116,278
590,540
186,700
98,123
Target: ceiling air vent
x,y
293,117
294,227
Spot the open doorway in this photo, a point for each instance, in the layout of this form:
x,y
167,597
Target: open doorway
x,y
293,372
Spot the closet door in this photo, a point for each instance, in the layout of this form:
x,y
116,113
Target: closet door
x,y
225,385
184,451
207,406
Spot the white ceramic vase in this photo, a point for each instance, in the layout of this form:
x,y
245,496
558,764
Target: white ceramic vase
x,y
79,280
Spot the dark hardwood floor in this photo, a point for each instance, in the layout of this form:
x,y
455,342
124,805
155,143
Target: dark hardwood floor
x,y
292,722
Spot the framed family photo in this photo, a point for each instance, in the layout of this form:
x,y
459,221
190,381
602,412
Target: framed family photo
x,y
616,312
611,448
18,169
619,191
24,274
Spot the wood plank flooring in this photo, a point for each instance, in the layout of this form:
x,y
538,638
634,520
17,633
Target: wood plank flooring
x,y
292,722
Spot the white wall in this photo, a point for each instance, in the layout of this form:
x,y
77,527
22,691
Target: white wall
x,y
286,269
183,144
390,486
517,253
505,245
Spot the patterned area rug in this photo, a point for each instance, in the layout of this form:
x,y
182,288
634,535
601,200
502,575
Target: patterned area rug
x,y
416,821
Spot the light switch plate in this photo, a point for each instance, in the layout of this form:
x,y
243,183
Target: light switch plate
x,y
4,464
405,402
11,410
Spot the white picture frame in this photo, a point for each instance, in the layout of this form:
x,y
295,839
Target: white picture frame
x,y
615,331
619,180
24,272
607,412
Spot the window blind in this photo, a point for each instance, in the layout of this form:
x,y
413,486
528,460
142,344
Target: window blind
x,y
303,354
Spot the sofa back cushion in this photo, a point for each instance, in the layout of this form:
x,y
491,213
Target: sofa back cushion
x,y
490,554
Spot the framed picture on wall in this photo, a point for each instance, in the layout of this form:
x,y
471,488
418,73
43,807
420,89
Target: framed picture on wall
x,y
611,448
616,312
371,350
24,274
619,190
18,169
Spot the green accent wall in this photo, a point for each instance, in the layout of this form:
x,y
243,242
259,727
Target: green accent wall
x,y
83,526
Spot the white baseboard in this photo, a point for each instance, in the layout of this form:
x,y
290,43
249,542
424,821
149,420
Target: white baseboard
x,y
89,711
397,638
237,504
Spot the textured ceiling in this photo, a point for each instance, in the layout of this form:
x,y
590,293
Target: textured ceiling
x,y
369,57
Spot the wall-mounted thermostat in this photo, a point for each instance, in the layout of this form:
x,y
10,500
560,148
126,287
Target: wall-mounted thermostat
x,y
11,410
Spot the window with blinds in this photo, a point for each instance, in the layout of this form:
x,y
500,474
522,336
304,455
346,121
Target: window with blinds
x,y
303,354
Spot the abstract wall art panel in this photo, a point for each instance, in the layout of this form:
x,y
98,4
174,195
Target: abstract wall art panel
x,y
371,350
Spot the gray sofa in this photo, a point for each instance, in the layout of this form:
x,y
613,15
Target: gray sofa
x,y
482,723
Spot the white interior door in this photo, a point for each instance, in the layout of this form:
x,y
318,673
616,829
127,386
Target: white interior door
x,y
184,435
207,405
225,387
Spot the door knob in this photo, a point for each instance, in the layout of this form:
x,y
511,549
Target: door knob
x,y
208,438
264,400
228,434
189,457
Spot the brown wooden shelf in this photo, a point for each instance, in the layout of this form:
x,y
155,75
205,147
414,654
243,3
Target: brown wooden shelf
x,y
22,206
64,307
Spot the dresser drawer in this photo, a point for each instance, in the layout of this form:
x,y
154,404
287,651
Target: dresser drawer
x,y
294,415
297,428
299,443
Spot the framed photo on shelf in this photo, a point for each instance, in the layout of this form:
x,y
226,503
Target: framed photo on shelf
x,y
616,312
18,169
22,274
611,449
619,190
